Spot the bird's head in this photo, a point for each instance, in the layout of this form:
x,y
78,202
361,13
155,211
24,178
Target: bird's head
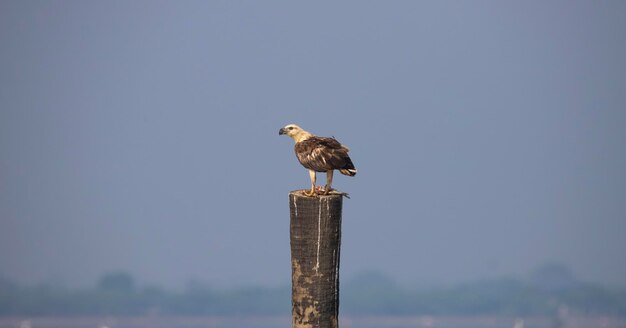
x,y
295,132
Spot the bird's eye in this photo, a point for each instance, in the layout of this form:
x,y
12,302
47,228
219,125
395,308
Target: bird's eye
x,y
290,128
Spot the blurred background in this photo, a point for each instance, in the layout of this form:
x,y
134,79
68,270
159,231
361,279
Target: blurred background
x,y
139,141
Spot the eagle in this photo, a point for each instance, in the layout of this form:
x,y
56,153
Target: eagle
x,y
319,154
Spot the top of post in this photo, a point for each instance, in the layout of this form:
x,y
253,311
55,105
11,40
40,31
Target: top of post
x,y
332,194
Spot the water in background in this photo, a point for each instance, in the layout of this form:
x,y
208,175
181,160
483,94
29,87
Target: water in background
x,y
285,322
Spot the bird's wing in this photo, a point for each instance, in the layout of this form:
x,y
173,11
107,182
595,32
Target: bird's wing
x,y
325,154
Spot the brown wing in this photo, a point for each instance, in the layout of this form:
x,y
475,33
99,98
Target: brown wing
x,y
323,154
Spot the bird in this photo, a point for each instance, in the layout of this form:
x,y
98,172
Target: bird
x,y
319,154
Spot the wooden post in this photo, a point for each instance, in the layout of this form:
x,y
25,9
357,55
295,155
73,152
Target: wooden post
x,y
315,242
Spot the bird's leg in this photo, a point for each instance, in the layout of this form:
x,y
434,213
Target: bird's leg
x,y
329,181
312,192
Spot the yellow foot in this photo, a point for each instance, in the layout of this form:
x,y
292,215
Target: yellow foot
x,y
327,190
310,193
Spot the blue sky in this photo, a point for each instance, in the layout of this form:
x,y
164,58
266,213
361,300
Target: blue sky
x,y
142,136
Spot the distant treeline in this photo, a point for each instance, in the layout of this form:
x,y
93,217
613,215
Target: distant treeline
x,y
370,293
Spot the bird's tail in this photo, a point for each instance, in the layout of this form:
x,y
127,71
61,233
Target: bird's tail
x,y
348,169
350,172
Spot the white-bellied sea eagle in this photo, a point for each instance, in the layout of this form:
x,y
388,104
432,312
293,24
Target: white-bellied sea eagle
x,y
319,154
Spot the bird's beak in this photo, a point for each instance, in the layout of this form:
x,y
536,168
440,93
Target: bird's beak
x,y
282,131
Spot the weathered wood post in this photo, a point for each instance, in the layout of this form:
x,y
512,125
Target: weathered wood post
x,y
315,241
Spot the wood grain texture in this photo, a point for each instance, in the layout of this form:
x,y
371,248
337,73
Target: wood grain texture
x,y
315,228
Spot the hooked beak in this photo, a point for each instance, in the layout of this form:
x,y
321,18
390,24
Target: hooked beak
x,y
282,131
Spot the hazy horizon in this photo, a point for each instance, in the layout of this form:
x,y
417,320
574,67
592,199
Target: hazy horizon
x,y
377,277
143,137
